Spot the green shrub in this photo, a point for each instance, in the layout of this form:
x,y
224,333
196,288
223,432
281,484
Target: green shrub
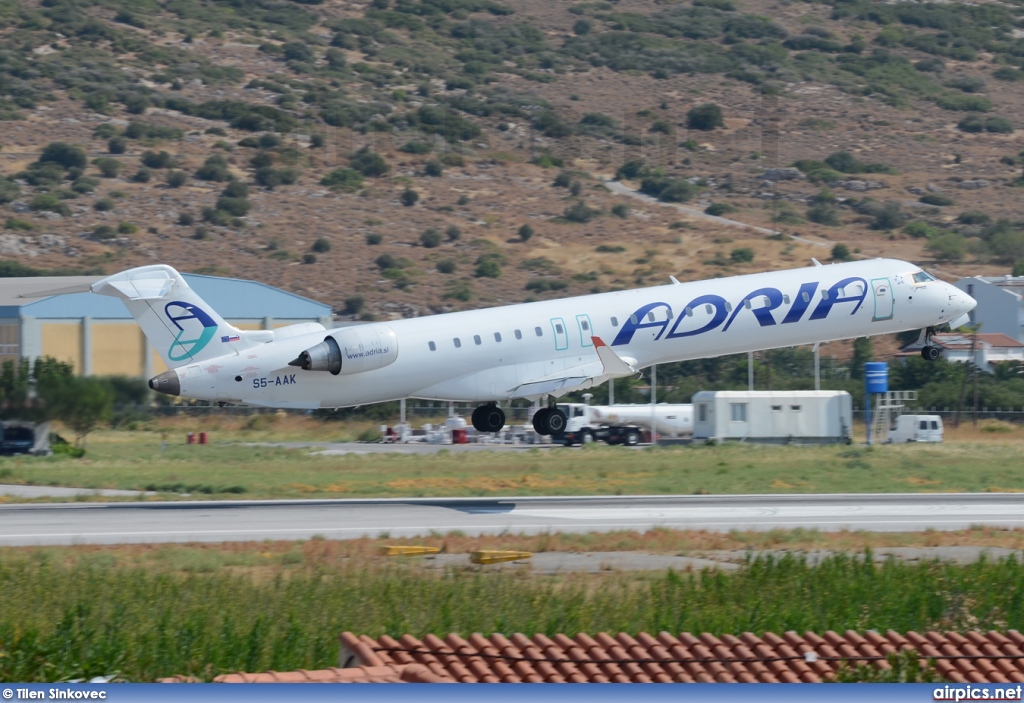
x,y
176,179
973,217
236,207
580,212
453,233
918,229
409,197
823,214
743,255
18,224
321,245
103,205
719,209
215,169
947,247
705,117
525,232
84,184
433,168
50,202
368,163
446,266
936,199
109,168
373,238
430,238
127,228
152,159
117,145
104,232
63,154
143,175
487,267
840,252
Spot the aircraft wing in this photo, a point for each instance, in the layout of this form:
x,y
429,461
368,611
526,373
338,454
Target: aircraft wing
x,y
608,365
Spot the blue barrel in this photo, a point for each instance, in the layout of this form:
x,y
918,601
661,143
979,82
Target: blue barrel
x,y
876,377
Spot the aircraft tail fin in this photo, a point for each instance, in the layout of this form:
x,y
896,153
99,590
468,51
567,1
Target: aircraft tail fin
x,y
182,327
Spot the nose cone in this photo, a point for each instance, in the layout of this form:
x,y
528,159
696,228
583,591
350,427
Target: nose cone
x,y
959,305
167,382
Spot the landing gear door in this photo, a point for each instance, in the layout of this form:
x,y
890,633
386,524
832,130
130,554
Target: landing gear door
x,y
885,303
561,333
586,330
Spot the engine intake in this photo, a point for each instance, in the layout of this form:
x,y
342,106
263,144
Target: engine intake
x,y
351,350
325,356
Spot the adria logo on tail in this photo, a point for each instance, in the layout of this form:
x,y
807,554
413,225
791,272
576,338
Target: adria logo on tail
x,y
197,334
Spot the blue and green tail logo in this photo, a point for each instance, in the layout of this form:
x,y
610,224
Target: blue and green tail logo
x,y
192,336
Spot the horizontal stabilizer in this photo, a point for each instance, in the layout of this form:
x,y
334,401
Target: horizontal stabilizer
x,y
81,288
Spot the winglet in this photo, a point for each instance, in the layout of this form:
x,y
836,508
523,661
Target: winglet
x,y
613,363
816,262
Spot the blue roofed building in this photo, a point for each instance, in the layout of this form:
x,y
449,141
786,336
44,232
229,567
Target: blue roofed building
x,y
97,336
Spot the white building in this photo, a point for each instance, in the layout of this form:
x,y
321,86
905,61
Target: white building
x,y
989,349
801,417
1000,303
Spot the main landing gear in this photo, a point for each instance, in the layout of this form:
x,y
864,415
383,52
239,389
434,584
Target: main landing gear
x,y
550,421
488,418
929,352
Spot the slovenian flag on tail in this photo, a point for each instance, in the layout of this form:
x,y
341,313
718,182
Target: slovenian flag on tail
x,y
230,338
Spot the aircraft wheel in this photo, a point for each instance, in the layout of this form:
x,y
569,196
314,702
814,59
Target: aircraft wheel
x,y
476,419
556,421
540,421
632,438
930,353
492,418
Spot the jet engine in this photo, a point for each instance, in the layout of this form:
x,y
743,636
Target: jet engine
x,y
351,350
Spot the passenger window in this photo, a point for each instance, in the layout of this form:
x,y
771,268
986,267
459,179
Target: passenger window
x,y
708,309
795,408
632,319
584,325
728,307
746,304
476,338
558,329
806,297
777,408
650,316
842,292
433,347
924,424
785,299
615,322
539,331
519,335
935,425
688,311
458,342
497,336
824,295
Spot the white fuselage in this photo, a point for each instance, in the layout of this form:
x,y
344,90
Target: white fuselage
x,y
487,355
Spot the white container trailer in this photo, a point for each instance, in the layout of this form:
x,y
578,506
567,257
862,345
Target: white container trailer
x,y
800,417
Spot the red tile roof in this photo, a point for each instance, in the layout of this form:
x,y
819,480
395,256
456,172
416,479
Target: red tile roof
x,y
992,657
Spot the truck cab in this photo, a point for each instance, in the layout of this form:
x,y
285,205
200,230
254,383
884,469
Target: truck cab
x,y
916,428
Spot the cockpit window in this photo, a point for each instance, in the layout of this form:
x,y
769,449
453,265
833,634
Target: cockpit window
x,y
922,277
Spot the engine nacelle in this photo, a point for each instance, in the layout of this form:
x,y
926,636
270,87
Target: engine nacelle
x,y
351,350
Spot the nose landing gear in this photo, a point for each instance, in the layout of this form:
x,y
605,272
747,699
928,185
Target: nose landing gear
x,y
488,418
929,352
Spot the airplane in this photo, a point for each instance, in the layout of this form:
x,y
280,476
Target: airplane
x,y
529,350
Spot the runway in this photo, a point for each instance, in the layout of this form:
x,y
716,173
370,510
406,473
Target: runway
x,y
226,521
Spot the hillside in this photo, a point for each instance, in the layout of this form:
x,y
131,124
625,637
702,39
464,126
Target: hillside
x,y
385,157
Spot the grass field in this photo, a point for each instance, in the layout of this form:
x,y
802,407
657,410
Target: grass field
x,y
146,612
987,459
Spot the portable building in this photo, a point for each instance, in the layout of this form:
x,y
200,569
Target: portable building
x,y
800,417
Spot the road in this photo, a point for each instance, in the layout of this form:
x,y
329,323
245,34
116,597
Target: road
x,y
223,521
